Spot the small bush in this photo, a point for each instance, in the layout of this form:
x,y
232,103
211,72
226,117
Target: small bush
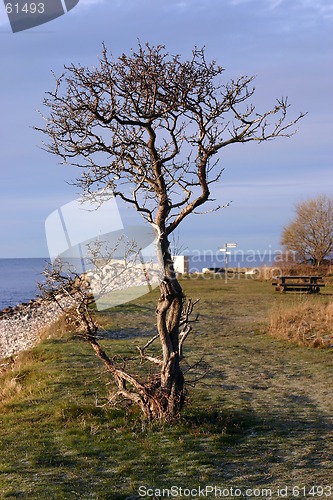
x,y
309,324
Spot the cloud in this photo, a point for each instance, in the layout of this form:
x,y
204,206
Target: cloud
x,y
322,8
90,2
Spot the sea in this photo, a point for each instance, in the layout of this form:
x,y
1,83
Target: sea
x,y
19,278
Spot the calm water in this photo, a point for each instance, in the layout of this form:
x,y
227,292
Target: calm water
x,y
18,280
19,277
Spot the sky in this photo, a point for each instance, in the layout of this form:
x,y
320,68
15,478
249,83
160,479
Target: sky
x,y
287,44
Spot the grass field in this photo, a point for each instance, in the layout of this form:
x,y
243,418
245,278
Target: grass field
x,y
261,419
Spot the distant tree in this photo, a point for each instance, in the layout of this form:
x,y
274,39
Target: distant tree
x,y
147,128
310,234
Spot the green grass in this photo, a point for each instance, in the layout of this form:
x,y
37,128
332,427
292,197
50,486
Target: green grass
x,y
261,417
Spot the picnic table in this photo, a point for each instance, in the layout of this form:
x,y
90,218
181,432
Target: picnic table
x,y
309,284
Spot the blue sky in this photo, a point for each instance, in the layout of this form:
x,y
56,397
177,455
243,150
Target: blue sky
x,y
288,44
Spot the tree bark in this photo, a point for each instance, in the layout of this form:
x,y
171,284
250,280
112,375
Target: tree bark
x,y
168,311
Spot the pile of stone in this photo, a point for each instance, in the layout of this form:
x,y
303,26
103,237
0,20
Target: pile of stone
x,y
20,326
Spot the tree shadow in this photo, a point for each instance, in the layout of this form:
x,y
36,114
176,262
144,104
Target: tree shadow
x,y
124,333
252,446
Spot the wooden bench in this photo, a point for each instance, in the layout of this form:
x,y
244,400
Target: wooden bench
x,y
309,284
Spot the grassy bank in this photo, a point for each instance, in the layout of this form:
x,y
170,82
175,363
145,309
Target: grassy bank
x,y
261,418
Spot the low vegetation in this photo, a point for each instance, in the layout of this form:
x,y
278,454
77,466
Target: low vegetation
x,y
308,323
261,418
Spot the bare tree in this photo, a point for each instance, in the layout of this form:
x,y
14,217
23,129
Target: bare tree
x,y
310,234
148,127
72,292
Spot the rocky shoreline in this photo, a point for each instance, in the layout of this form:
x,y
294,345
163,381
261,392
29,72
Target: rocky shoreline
x,y
20,326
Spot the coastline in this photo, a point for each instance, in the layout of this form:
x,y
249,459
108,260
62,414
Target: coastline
x,y
21,326
19,276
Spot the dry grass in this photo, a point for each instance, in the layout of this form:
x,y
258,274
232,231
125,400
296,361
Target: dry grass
x,y
10,387
11,368
309,324
58,329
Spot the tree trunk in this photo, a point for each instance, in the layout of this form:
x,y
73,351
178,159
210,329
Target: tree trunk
x,y
169,311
